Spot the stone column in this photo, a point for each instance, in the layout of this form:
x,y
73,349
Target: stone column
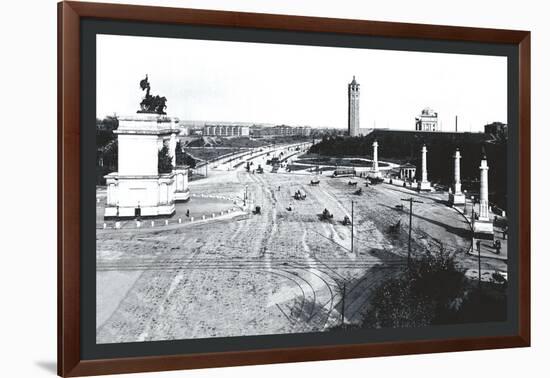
x,y
484,190
456,197
424,184
424,164
457,189
375,157
483,224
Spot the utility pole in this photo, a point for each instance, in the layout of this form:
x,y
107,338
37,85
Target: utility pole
x,y
479,266
411,201
475,245
343,303
351,226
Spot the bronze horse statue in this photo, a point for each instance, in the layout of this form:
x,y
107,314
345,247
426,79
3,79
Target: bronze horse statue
x,y
150,103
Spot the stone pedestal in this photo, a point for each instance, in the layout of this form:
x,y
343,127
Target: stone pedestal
x,y
457,199
137,189
182,185
424,184
483,227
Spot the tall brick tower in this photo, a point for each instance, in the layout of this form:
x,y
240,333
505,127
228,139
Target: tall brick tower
x,y
353,108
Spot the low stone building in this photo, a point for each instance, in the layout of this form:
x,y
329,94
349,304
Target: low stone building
x,y
224,130
407,171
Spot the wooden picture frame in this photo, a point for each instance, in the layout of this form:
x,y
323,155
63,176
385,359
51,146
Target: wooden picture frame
x,y
70,15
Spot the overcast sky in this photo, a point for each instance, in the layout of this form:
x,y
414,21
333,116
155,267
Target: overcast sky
x,y
298,85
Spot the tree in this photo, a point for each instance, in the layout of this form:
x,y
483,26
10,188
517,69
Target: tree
x,y
106,148
164,161
179,153
424,294
104,130
183,158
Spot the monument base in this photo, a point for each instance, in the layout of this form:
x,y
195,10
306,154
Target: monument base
x,y
483,226
126,212
182,185
424,186
140,196
377,174
182,196
457,199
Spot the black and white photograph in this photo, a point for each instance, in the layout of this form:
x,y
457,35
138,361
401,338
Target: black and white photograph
x,y
263,189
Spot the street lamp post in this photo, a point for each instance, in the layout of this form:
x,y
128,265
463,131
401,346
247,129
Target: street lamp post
x,y
343,304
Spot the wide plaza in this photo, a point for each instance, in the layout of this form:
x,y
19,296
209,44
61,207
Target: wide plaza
x,y
232,272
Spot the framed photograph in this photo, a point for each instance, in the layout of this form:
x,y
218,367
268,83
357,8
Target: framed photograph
x,y
239,188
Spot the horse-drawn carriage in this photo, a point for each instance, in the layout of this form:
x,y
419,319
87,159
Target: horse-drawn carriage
x,y
260,169
326,215
399,207
346,221
352,183
298,195
358,192
257,210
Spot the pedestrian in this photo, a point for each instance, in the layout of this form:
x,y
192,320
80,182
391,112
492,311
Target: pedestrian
x,y
187,213
478,244
497,247
505,232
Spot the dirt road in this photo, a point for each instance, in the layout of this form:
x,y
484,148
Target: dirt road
x,y
276,272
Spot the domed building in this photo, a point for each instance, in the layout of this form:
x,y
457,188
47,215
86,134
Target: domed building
x,y
427,120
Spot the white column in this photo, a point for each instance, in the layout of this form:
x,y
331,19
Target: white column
x,y
424,184
457,185
424,164
456,197
375,156
484,190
